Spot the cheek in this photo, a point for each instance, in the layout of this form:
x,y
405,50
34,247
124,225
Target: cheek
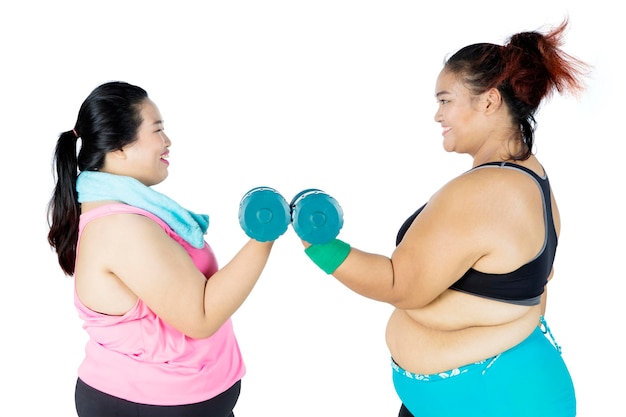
x,y
461,118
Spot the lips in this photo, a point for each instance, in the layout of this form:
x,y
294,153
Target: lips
x,y
446,130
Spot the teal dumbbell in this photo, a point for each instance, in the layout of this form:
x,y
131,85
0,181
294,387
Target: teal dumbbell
x,y
316,217
264,214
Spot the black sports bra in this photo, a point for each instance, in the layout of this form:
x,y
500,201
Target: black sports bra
x,y
525,285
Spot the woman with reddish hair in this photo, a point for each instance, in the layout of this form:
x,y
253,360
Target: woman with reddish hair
x,y
468,277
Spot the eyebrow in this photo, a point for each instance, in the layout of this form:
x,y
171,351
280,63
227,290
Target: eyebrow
x,y
158,122
441,93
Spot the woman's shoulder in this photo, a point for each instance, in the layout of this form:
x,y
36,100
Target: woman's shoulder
x,y
103,208
496,177
485,190
109,210
119,220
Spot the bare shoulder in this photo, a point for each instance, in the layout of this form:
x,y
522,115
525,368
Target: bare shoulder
x,y
485,213
124,228
489,191
119,240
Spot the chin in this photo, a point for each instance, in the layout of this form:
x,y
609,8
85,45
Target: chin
x,y
448,147
159,181
155,180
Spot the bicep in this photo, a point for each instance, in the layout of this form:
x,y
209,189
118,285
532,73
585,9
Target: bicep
x,y
439,247
158,270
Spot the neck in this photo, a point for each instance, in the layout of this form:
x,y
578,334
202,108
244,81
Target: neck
x,y
500,151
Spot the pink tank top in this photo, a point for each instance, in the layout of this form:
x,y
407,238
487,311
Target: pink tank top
x,y
140,358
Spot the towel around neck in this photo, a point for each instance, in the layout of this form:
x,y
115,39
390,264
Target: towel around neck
x,y
97,186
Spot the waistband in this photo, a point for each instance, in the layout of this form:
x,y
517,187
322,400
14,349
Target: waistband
x,y
480,366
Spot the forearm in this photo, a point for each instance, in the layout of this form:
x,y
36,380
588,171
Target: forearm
x,y
229,287
368,274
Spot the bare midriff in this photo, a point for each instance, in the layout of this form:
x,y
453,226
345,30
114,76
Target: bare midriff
x,y
456,330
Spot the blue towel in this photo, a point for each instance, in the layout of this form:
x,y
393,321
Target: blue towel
x,y
97,186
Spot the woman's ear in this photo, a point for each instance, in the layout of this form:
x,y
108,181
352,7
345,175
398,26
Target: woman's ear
x,y
112,160
492,100
118,154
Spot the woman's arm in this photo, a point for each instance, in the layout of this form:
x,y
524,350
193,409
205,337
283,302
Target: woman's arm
x,y
487,220
158,270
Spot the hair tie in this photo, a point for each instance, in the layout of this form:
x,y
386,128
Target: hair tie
x,y
75,134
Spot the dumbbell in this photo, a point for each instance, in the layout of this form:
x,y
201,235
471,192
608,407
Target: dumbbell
x,y
316,217
264,214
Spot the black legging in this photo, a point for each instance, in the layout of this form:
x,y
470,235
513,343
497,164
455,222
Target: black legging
x,y
404,412
93,403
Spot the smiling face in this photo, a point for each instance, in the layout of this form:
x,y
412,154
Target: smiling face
x,y
459,113
145,159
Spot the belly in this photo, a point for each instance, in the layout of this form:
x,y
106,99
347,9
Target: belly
x,y
419,348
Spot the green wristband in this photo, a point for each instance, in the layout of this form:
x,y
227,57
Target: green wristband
x,y
328,256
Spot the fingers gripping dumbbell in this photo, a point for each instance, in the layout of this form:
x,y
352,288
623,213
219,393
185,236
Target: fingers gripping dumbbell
x,y
316,217
264,214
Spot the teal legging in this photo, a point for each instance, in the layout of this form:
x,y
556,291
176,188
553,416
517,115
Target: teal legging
x,y
529,380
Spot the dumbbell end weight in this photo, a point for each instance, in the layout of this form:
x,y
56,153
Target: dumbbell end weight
x,y
316,216
264,214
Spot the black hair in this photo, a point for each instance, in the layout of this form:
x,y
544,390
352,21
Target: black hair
x,y
108,120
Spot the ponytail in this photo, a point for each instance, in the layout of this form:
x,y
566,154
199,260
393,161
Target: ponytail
x,y
63,208
536,66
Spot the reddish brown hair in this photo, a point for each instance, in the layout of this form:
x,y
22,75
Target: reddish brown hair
x,y
526,70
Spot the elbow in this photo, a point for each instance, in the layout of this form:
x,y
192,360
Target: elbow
x,y
200,327
199,332
198,335
409,298
405,296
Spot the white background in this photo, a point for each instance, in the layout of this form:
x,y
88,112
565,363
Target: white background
x,y
336,95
